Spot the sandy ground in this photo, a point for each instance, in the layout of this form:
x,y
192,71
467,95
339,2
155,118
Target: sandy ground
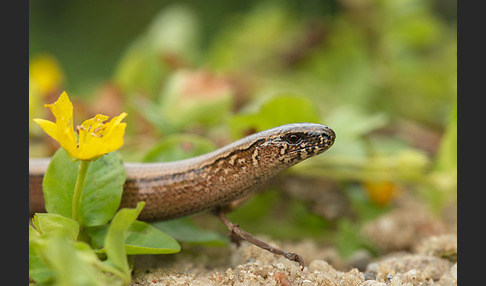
x,y
417,249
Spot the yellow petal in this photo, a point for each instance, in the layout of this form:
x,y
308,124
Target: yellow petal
x,y
114,139
62,108
88,152
62,130
115,121
49,127
91,128
97,138
67,139
95,122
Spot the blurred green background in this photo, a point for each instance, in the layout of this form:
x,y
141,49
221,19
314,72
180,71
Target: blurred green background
x,y
195,75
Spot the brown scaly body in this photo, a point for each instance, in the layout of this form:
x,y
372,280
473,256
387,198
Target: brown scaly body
x,y
180,188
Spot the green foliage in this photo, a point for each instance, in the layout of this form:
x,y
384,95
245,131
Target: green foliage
x,y
183,107
63,261
177,147
141,238
278,110
114,245
102,190
447,155
38,271
173,32
348,239
58,250
441,184
245,42
185,230
139,69
180,107
276,215
49,222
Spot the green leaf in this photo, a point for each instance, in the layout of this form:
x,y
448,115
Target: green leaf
x,y
115,238
33,233
46,222
185,230
139,68
177,147
38,270
141,238
63,260
353,122
447,154
279,110
102,190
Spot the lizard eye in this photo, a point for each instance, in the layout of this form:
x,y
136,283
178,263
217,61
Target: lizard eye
x,y
293,138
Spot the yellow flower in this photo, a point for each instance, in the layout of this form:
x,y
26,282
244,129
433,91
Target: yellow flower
x,y
46,72
34,98
381,192
95,137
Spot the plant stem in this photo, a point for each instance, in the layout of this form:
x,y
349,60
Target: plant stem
x,y
78,189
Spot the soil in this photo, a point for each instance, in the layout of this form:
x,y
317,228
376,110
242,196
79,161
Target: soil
x,y
416,248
